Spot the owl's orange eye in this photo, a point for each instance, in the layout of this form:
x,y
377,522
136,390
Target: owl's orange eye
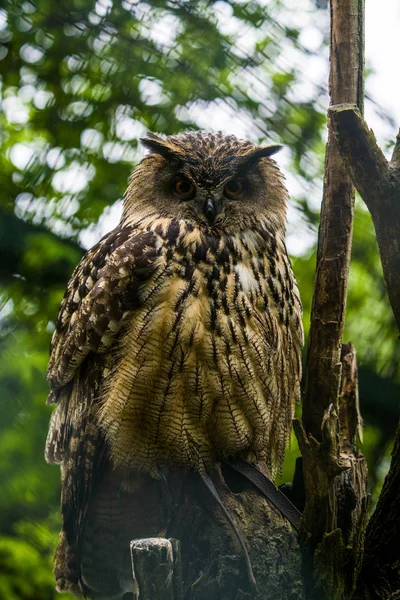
x,y
234,188
184,188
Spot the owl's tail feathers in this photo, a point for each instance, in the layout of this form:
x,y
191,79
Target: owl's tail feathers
x,y
66,570
273,494
214,492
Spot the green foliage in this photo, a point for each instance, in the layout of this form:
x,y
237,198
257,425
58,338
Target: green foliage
x,y
31,579
80,82
368,296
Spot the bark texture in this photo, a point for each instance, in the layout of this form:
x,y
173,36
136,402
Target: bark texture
x,y
380,574
338,475
322,377
156,568
213,565
378,182
334,471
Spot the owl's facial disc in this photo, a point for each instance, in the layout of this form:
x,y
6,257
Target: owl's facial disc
x,y
207,202
213,180
232,190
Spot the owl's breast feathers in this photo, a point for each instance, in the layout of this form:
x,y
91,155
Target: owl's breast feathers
x,y
198,338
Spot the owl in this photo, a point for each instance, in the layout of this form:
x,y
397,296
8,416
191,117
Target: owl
x,y
177,344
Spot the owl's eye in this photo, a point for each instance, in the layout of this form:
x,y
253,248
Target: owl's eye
x,y
234,188
184,188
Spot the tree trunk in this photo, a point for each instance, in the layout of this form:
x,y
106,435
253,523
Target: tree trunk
x,y
334,470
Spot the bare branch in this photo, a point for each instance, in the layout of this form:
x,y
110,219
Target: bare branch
x,y
378,182
349,407
322,377
333,470
323,372
364,159
351,485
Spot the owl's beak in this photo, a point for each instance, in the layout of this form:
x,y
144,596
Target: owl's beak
x,y
210,210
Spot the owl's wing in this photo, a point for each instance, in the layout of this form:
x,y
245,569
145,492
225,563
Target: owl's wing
x,y
75,441
102,289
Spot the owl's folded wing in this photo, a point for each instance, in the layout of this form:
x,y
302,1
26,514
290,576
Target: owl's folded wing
x,y
103,288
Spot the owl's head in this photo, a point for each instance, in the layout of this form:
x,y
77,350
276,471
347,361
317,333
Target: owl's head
x,y
213,180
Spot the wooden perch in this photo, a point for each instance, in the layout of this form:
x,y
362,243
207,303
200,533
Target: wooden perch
x,y
212,560
156,569
378,183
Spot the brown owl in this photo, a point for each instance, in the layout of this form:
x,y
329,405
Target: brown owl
x,y
177,343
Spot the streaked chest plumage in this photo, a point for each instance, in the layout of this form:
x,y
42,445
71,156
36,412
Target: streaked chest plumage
x,y
208,365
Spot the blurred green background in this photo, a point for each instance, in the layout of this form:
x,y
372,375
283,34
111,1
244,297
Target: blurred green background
x,y
80,81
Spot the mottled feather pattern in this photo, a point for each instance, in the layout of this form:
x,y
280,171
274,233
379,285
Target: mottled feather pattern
x,y
208,366
93,307
177,344
76,441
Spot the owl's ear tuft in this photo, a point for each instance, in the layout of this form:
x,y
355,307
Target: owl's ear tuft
x,y
251,158
263,152
159,145
269,150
